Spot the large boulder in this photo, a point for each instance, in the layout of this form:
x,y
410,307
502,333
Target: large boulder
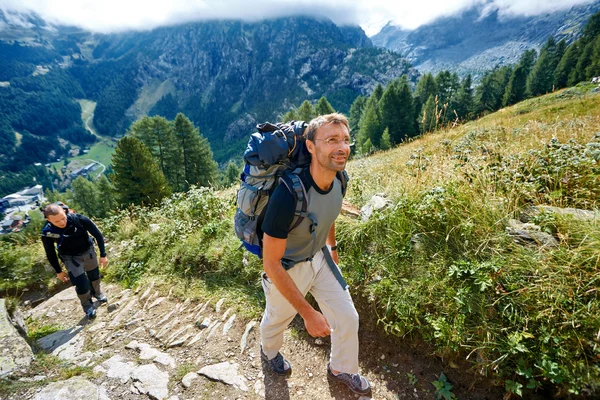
x,y
15,353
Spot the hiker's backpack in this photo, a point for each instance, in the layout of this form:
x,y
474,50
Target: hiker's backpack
x,y
275,154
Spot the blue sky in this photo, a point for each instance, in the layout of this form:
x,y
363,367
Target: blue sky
x,y
119,15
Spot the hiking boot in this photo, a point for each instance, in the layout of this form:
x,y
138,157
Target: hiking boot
x,y
101,298
358,384
279,365
90,313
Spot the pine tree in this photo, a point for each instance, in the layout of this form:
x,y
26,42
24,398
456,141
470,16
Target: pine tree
x,y
231,174
356,111
527,60
593,69
370,127
158,135
541,78
490,92
559,52
386,142
591,30
464,99
397,112
107,200
85,197
585,59
198,166
429,115
377,93
566,65
515,90
137,177
447,85
426,87
305,112
323,107
290,116
390,110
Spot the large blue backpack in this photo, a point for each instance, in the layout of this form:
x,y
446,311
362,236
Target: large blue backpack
x,y
275,154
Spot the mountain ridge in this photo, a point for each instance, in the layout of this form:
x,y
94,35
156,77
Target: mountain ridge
x,y
476,40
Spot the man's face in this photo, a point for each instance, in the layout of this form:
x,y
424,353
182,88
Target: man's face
x,y
329,148
59,220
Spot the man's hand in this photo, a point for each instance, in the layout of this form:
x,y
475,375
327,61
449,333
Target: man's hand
x,y
103,261
62,276
316,324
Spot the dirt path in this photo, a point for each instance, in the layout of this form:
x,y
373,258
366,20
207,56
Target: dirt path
x,y
193,337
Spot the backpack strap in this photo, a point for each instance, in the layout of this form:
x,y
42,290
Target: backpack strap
x,y
295,186
344,178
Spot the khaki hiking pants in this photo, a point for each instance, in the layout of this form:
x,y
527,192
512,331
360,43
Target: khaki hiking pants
x,y
335,303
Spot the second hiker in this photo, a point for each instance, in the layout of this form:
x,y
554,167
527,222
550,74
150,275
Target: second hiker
x,y
69,233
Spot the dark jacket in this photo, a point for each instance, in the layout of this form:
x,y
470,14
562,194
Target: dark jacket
x,y
71,240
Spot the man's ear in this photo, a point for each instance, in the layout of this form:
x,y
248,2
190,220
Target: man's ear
x,y
310,146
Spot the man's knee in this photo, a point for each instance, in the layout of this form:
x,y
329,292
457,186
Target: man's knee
x,y
81,283
94,274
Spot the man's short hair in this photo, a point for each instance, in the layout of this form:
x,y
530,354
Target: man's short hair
x,y
52,209
316,123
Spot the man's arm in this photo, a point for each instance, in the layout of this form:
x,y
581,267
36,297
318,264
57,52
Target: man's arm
x,y
93,229
273,251
332,242
53,258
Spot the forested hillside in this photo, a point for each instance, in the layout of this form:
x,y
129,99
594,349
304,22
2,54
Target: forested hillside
x,y
224,75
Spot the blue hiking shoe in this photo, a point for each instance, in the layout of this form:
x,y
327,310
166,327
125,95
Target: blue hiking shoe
x,y
90,313
358,384
101,298
279,365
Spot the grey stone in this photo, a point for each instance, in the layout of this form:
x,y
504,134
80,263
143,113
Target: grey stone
x,y
218,306
226,314
212,330
66,344
151,381
188,379
225,372
120,317
147,352
16,353
165,329
376,203
530,212
147,291
204,324
117,367
18,321
76,388
529,234
67,297
228,324
244,341
178,333
196,338
167,316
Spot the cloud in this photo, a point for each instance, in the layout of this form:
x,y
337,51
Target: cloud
x,y
118,15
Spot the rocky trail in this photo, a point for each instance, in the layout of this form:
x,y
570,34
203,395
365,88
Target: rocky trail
x,y
147,345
